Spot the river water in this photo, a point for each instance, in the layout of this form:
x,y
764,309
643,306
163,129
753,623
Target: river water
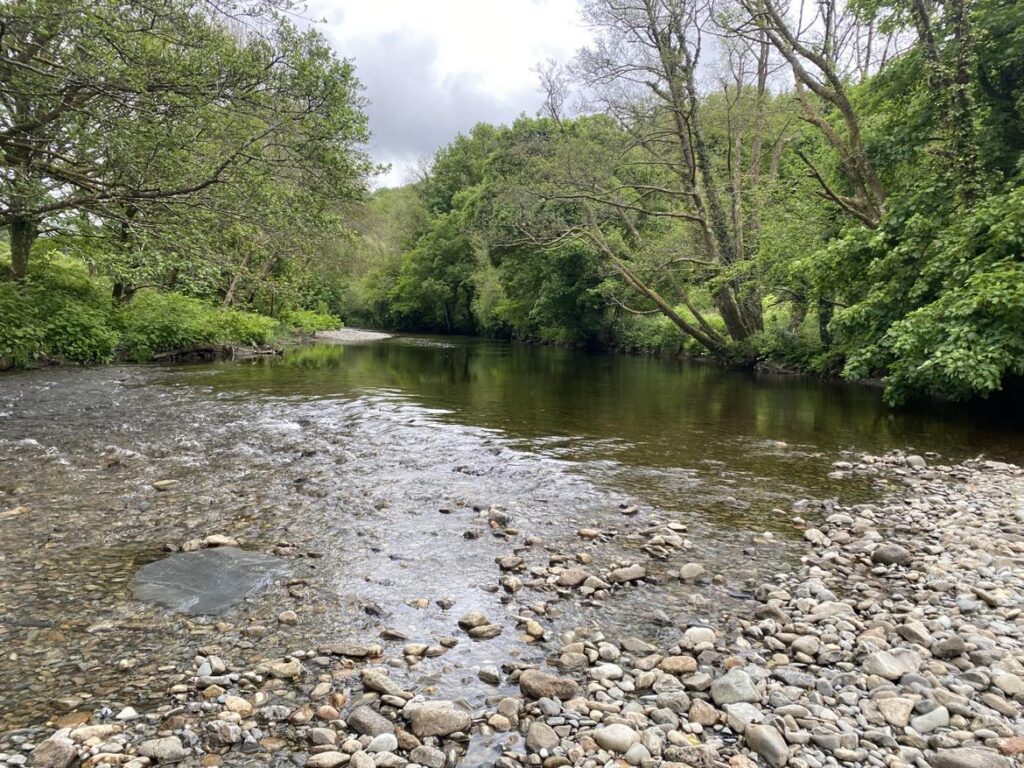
x,y
371,462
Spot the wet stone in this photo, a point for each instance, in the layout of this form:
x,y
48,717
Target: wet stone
x,y
891,554
329,759
970,758
437,718
892,665
428,757
165,750
207,582
617,737
541,736
734,687
539,685
364,720
52,753
769,744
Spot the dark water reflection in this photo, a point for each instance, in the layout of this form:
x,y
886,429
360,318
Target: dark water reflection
x,y
638,411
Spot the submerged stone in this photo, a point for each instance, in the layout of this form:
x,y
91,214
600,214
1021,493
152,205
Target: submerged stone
x,y
207,582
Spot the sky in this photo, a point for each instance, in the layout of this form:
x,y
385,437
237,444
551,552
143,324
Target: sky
x,y
434,68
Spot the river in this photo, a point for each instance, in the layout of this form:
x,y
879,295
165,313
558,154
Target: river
x,y
372,463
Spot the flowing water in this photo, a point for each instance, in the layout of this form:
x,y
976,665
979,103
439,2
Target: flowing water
x,y
370,462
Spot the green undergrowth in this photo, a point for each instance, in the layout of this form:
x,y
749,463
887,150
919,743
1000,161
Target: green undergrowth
x,y
62,314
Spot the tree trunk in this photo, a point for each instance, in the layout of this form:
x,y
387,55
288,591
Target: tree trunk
x,y
714,344
23,234
824,318
866,202
229,295
742,314
124,292
797,315
732,314
951,84
264,271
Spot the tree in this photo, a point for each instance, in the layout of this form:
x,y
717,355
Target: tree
x,y
931,297
836,188
822,50
665,174
655,46
119,113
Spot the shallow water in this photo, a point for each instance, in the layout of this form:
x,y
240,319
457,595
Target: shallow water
x,y
348,453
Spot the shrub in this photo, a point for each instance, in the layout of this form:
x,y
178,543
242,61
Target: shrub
x,y
945,313
21,334
58,312
81,333
308,321
165,322
237,327
656,334
793,350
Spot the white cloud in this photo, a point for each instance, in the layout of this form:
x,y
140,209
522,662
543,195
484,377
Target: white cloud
x,y
434,68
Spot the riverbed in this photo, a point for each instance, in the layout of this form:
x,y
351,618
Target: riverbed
x,y
373,469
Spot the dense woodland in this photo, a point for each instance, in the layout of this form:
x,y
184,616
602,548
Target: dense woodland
x,y
174,172
831,187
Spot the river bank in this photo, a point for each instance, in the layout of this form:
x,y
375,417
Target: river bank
x,y
351,336
899,641
63,314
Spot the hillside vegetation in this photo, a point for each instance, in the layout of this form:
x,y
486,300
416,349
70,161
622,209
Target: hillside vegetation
x,y
843,198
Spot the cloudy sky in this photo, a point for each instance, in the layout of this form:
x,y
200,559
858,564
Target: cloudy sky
x,y
434,68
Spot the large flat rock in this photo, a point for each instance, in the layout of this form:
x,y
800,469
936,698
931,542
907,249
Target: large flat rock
x,y
207,582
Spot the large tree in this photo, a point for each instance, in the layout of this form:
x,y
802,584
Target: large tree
x,y
120,112
828,50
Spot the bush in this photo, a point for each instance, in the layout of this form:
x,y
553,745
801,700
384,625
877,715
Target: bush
x,y
58,312
82,334
945,313
21,333
237,327
308,321
62,313
165,322
793,348
656,334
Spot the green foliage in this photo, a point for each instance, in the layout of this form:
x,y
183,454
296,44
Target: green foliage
x,y
1001,85
308,321
189,168
61,313
81,334
435,289
544,229
795,349
434,256
58,312
166,322
931,301
236,327
950,322
387,228
652,334
22,330
553,295
459,166
168,148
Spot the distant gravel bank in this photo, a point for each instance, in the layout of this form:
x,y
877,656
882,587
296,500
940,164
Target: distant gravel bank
x,y
348,335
